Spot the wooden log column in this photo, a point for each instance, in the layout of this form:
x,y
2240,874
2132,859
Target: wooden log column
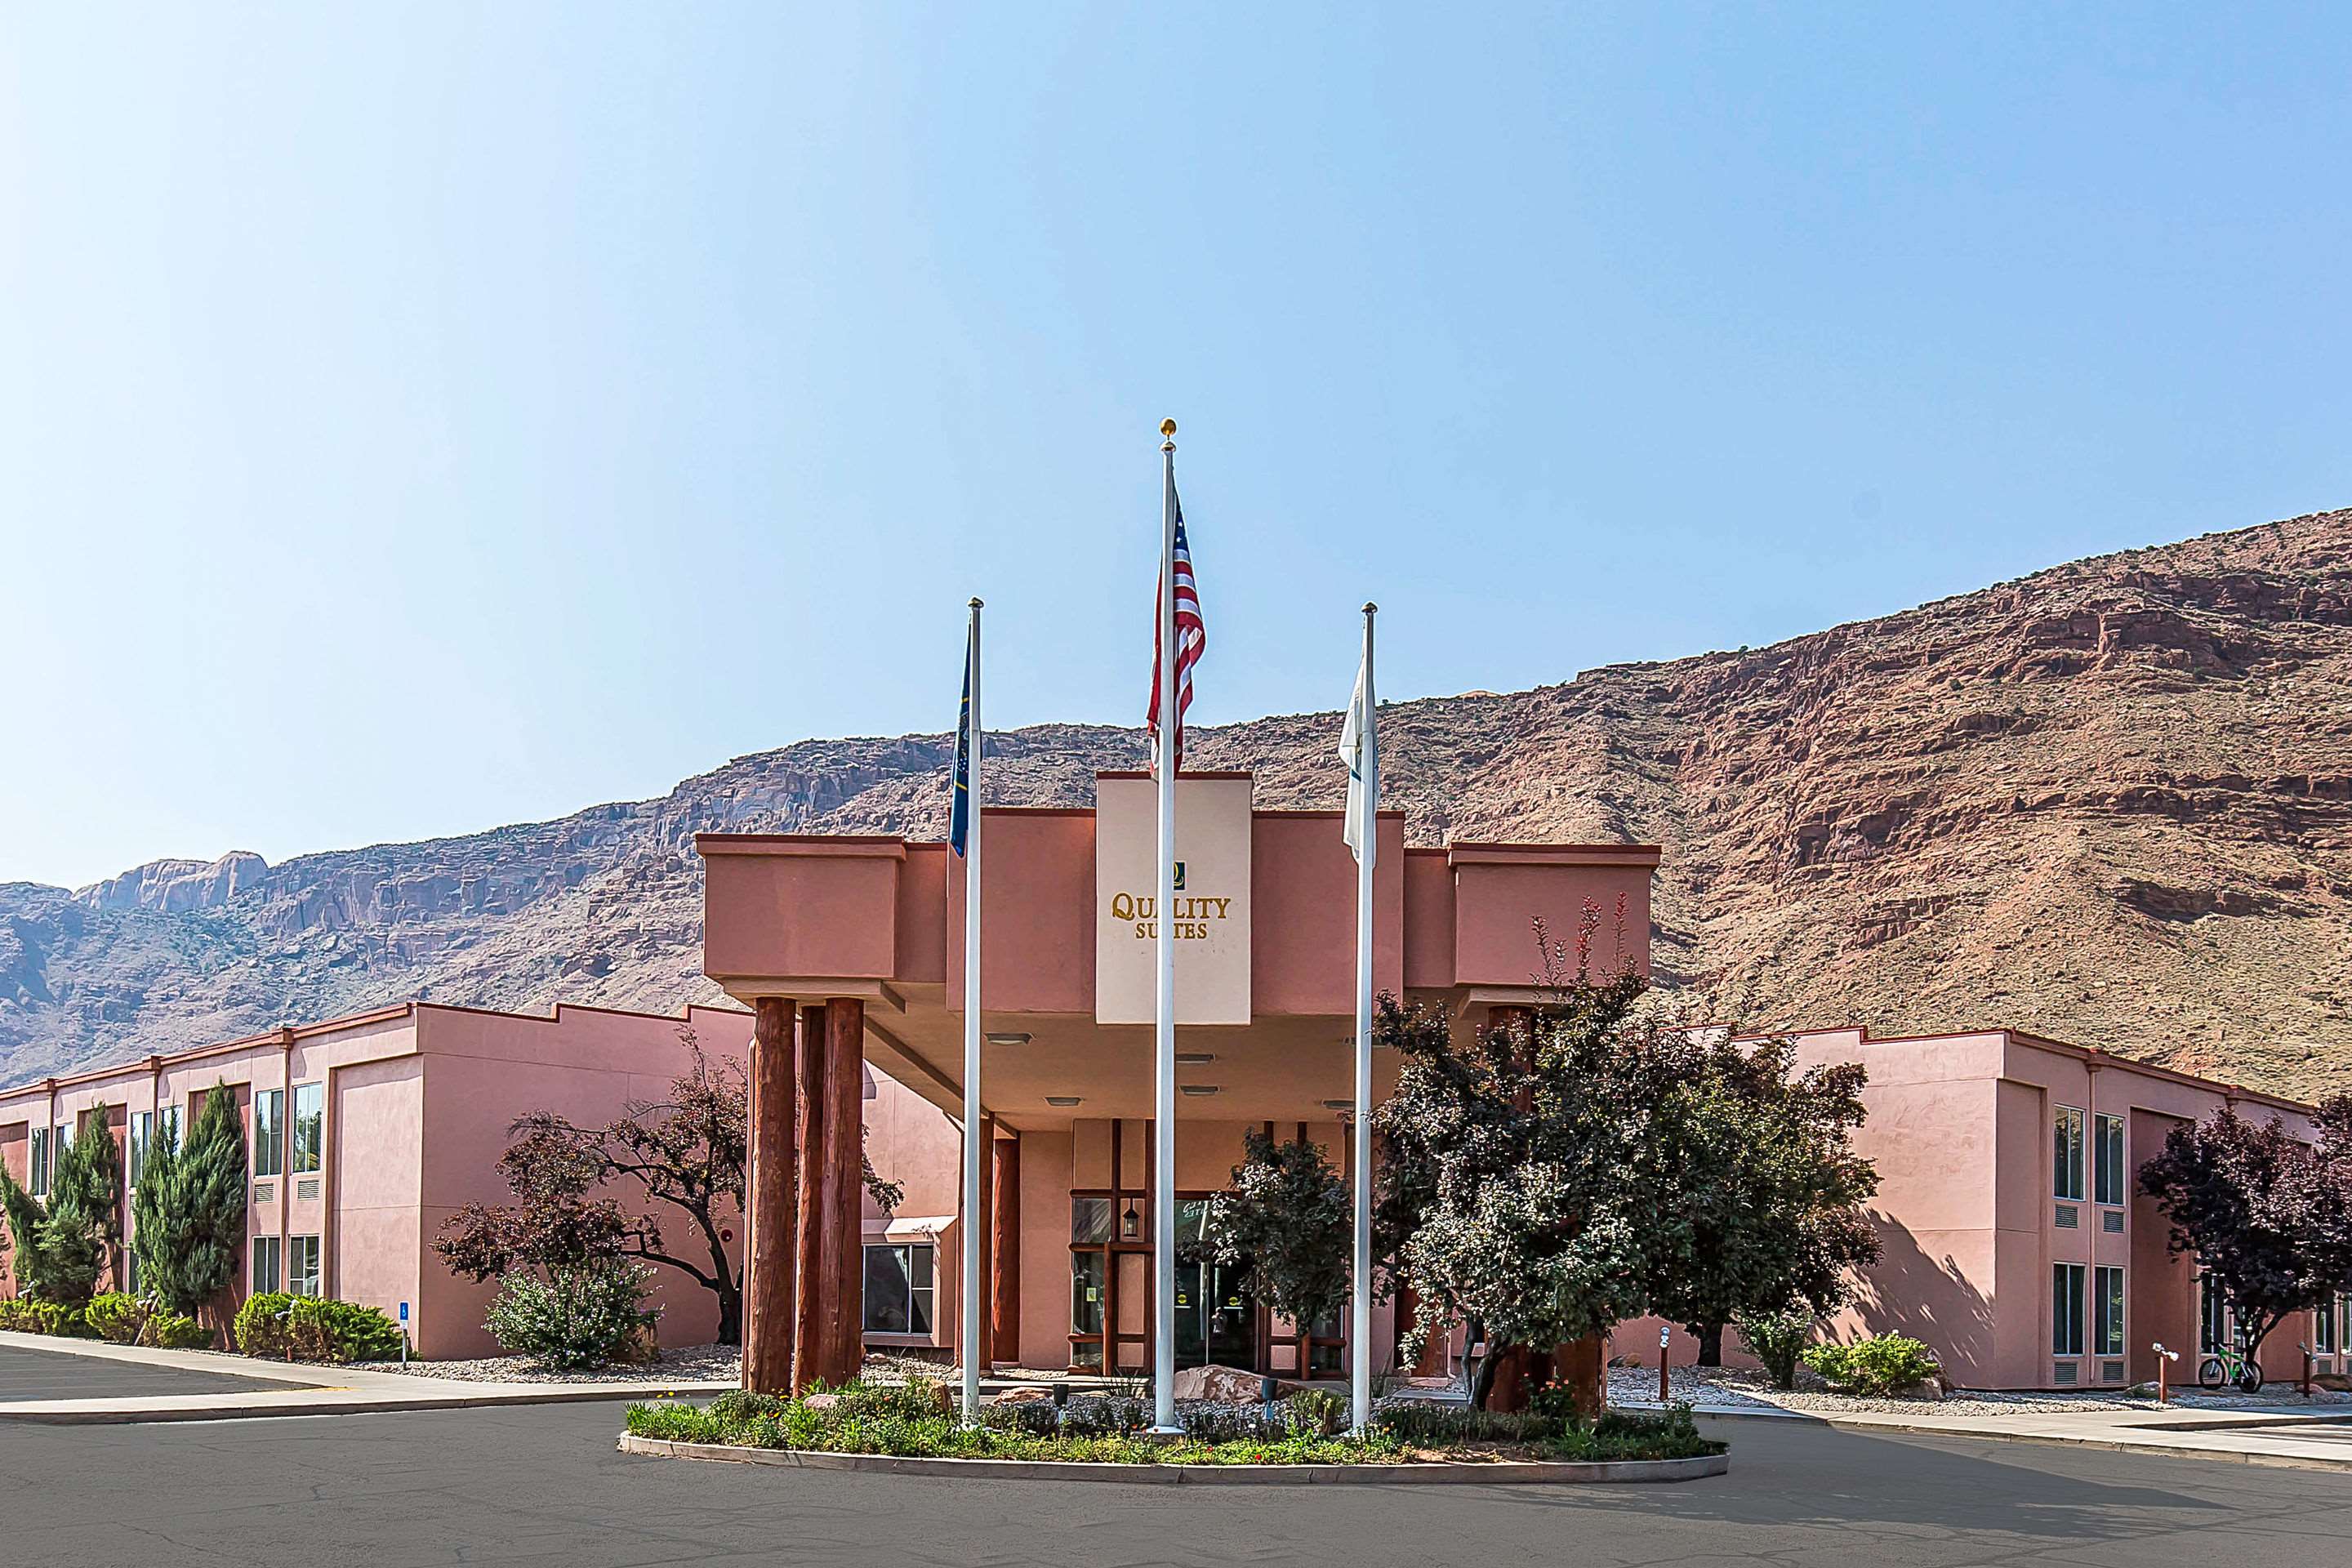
x,y
1004,1250
844,1241
769,1245
811,1359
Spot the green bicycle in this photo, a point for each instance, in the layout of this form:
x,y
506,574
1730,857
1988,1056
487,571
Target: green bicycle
x,y
2230,1364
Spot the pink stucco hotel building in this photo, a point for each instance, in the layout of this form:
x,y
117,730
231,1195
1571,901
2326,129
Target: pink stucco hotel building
x,y
2016,1243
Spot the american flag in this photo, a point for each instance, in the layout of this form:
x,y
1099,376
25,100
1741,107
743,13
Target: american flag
x,y
1192,638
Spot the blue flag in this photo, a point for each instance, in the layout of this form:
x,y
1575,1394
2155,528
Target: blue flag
x,y
960,815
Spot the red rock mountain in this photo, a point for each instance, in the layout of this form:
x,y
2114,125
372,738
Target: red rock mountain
x,y
2111,802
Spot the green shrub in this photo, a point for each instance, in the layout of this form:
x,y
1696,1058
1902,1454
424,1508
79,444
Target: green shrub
x,y
1670,1434
25,1315
1874,1367
116,1317
1777,1340
588,1316
173,1331
1443,1426
1317,1412
278,1326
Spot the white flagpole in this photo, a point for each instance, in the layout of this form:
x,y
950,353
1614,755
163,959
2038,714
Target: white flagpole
x,y
1163,1099
1366,843
970,1328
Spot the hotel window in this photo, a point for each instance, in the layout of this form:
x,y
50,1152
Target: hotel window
x,y
62,1139
2067,1163
269,1132
167,1124
309,1125
302,1266
40,1171
2066,1310
2109,1183
899,1289
142,1130
2107,1311
2323,1331
266,1262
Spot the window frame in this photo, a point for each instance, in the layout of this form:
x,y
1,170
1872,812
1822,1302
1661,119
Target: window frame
x,y
275,1100
258,1279
2069,1282
2110,1310
315,1149
2069,1133
136,1147
296,1246
2323,1328
2109,1177
924,1294
38,1170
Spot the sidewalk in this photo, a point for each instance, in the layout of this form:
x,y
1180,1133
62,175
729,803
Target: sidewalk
x,y
290,1389
2320,1439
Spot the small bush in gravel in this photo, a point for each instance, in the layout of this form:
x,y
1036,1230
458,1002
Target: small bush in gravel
x,y
1317,1412
116,1317
590,1316
1874,1367
1778,1340
25,1315
276,1326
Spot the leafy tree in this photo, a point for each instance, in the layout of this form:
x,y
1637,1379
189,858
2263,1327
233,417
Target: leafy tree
x,y
688,1152
1528,1185
189,1207
1761,1159
2268,1218
64,1247
1604,1159
1290,1216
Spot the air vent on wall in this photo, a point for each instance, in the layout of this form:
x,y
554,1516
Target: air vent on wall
x,y
2063,1373
307,1192
263,1192
2112,1222
2068,1217
2111,1372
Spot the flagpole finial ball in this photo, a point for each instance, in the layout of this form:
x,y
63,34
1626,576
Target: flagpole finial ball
x,y
1370,608
1167,429
975,604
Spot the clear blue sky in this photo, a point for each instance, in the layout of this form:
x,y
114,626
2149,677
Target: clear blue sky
x,y
422,418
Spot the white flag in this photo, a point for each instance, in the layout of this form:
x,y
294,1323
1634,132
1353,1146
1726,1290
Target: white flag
x,y
1358,750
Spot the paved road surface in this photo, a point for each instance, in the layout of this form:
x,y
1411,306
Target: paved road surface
x,y
45,1375
543,1486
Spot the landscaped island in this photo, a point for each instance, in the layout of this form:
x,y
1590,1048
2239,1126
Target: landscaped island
x,y
913,1420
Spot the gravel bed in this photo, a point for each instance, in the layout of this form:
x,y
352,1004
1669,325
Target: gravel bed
x,y
695,1363
1751,1389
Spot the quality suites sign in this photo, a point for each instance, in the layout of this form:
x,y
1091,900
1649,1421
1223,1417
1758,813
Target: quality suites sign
x,y
1209,915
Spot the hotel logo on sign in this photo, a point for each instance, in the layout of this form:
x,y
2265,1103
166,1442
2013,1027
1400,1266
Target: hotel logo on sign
x,y
1209,915
1194,915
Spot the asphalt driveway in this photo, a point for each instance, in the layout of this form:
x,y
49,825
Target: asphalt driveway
x,y
543,1486
56,1374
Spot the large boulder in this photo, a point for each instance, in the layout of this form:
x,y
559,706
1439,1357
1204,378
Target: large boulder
x,y
1220,1386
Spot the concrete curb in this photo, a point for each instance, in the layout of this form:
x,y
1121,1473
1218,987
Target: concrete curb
x,y
325,1401
2148,1440
1500,1473
314,1391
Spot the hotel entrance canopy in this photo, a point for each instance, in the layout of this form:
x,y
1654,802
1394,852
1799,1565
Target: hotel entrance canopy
x,y
1265,948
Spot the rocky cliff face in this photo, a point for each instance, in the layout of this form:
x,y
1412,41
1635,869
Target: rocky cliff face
x,y
2111,802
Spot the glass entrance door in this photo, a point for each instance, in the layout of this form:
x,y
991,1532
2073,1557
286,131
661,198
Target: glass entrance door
x,y
1216,1322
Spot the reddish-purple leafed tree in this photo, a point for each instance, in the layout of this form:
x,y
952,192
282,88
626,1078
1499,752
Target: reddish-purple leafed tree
x,y
2268,1217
